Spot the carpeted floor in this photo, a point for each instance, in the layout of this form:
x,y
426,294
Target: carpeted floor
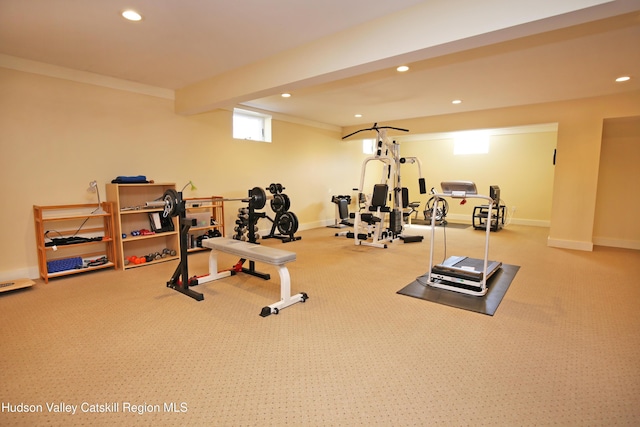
x,y
121,348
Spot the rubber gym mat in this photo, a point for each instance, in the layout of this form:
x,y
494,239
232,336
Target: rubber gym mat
x,y
498,285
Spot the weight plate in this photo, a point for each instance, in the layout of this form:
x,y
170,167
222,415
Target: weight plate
x,y
280,203
259,197
288,223
170,198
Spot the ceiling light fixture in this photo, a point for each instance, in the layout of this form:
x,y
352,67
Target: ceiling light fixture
x,y
402,68
358,115
623,79
131,15
457,101
286,95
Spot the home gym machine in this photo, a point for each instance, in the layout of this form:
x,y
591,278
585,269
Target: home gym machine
x,y
458,273
370,224
174,206
342,211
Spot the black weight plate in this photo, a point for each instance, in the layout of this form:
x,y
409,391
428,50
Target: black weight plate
x,y
170,198
259,197
288,223
280,203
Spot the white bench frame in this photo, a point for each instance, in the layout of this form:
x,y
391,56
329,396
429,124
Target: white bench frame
x,y
254,253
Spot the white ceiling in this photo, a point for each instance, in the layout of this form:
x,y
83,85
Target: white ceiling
x,y
181,43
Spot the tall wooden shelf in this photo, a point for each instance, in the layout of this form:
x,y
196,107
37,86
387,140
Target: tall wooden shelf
x,y
77,220
209,214
131,214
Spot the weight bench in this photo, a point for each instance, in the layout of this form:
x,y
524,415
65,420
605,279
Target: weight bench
x,y
254,253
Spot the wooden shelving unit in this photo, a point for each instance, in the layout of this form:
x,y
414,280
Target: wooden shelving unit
x,y
209,213
131,214
79,221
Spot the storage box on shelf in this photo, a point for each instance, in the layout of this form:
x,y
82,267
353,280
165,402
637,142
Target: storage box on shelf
x,y
142,232
209,214
73,239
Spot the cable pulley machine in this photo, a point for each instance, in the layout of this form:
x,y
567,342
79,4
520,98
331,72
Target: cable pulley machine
x,y
370,224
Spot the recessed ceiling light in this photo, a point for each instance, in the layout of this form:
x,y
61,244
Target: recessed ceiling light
x,y
286,95
623,79
402,68
358,115
131,15
457,101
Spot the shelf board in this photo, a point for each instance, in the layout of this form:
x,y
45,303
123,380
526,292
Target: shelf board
x,y
144,184
169,258
203,227
149,236
72,217
75,245
80,270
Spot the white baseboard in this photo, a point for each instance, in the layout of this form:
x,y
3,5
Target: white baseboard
x,y
28,272
316,224
301,227
616,243
466,219
531,222
570,244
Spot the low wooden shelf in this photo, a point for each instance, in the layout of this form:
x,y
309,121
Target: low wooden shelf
x,y
76,220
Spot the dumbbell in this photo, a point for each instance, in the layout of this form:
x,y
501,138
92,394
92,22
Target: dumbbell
x,y
275,188
136,260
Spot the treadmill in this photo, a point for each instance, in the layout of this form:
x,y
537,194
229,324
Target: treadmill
x,y
459,273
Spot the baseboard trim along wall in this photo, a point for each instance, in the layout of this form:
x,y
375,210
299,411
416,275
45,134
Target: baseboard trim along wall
x,y
616,243
570,244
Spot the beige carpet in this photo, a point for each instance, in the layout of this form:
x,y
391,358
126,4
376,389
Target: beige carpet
x,y
562,349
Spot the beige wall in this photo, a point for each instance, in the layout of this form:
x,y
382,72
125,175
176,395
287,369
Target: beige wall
x,y
578,153
617,215
519,163
57,135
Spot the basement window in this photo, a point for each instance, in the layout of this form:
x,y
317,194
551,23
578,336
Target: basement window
x,y
471,142
251,125
368,146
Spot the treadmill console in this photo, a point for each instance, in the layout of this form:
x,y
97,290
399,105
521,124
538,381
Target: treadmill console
x,y
458,189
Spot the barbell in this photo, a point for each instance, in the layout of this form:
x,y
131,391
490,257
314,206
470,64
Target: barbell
x,y
171,199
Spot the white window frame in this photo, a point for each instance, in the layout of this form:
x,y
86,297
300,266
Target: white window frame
x,y
251,126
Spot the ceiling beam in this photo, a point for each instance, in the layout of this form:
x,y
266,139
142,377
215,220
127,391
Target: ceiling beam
x,y
427,30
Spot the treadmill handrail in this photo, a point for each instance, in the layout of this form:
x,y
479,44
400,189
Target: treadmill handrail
x,y
437,196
